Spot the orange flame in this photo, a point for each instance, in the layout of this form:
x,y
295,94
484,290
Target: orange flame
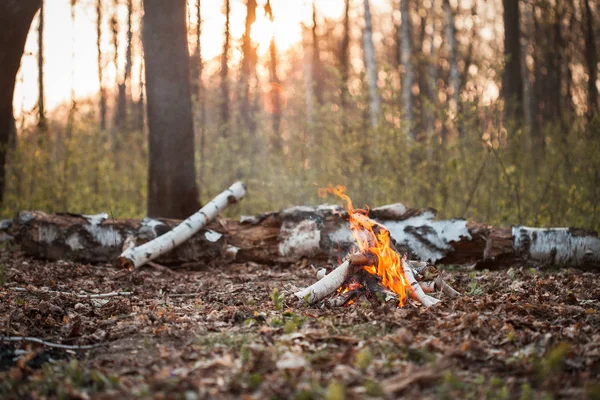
x,y
389,263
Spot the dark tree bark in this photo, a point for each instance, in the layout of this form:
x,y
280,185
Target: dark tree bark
x,y
172,189
225,74
16,17
41,97
512,81
591,58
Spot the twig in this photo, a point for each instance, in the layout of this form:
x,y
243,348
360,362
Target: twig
x,y
49,344
81,296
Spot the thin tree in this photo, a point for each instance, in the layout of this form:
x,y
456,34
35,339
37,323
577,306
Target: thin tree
x,y
224,106
371,67
512,80
454,78
16,17
275,91
316,65
99,21
42,123
198,67
406,55
344,66
248,69
307,48
526,39
172,189
591,58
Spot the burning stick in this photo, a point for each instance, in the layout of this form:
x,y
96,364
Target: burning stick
x,y
416,289
137,256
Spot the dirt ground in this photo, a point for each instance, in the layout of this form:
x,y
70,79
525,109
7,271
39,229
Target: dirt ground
x,y
230,331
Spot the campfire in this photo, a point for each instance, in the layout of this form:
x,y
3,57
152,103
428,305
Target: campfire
x,y
376,271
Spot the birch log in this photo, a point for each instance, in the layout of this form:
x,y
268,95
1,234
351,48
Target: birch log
x,y
318,234
137,256
324,287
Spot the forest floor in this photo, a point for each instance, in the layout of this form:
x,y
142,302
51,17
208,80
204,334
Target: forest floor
x,y
225,332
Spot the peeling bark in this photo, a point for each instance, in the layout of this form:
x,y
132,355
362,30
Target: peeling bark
x,y
319,234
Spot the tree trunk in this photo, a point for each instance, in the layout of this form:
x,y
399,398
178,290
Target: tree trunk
x,y
317,68
512,81
320,234
16,17
224,101
42,124
591,58
371,67
307,75
275,87
248,68
344,66
406,55
525,41
100,64
454,78
172,189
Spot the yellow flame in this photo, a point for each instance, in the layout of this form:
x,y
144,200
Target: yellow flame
x,y
389,263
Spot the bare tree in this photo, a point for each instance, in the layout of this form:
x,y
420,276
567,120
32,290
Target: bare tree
x,y
275,93
224,106
406,55
309,86
16,17
591,57
371,67
344,66
99,21
317,68
172,189
525,41
454,78
248,69
42,124
512,80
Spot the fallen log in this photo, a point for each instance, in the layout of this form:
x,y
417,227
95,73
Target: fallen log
x,y
136,256
320,234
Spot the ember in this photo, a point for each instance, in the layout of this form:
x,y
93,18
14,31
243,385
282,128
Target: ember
x,y
377,271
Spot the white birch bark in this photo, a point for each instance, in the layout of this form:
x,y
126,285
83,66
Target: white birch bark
x,y
416,289
452,58
325,286
138,256
371,67
408,78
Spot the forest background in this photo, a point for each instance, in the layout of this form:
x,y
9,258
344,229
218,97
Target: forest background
x,y
483,109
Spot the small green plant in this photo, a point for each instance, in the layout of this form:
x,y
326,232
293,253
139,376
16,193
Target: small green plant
x,y
335,391
363,358
277,299
474,289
